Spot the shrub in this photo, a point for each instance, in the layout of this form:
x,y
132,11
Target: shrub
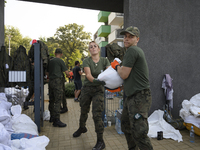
x,y
69,89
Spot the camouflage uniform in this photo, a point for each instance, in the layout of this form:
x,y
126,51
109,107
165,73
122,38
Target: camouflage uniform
x,y
21,62
138,102
55,96
134,120
6,64
96,96
56,68
92,92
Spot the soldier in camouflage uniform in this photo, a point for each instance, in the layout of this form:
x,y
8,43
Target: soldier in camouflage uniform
x,y
56,69
135,73
93,92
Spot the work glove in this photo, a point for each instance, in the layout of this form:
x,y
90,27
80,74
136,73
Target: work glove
x,y
97,81
114,64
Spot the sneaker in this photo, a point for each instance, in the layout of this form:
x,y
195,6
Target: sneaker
x,y
79,131
58,123
99,145
63,110
76,100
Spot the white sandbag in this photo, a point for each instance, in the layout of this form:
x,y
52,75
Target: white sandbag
x,y
16,110
4,136
195,100
46,115
8,127
4,147
24,124
157,123
4,116
111,77
193,120
195,111
186,105
36,143
184,113
4,112
3,97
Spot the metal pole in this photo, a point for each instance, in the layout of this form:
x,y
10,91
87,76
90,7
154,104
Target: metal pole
x,y
37,83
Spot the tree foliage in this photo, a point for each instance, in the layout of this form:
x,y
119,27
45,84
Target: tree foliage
x,y
73,41
16,39
71,38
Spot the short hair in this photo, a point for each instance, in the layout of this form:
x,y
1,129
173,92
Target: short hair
x,y
76,63
93,42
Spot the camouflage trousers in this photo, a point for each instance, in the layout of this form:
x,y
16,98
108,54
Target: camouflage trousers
x,y
64,102
96,96
55,96
134,120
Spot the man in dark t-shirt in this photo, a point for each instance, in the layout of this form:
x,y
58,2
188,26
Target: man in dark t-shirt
x,y
77,80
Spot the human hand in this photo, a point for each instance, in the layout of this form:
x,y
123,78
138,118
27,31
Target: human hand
x,y
114,64
97,81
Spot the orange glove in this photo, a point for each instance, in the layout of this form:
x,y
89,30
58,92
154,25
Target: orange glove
x,y
114,64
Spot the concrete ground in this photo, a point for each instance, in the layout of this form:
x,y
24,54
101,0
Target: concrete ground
x,y
62,139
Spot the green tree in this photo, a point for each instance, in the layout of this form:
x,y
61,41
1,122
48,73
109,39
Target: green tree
x,y
73,41
16,39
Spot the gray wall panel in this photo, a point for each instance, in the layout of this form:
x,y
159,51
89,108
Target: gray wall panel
x,y
170,39
1,22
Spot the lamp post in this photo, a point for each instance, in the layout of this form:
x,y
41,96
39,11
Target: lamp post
x,y
9,38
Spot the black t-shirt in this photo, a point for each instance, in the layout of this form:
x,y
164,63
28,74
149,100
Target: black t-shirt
x,y
76,70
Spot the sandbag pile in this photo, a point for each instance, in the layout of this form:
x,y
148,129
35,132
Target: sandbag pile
x,y
190,111
20,127
16,96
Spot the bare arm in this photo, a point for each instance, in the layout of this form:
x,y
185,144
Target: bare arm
x,y
67,73
123,71
88,74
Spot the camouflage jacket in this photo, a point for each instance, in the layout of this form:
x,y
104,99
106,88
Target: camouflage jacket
x,y
6,64
43,51
21,62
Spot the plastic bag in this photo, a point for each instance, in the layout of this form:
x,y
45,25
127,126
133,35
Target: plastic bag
x,y
36,143
46,115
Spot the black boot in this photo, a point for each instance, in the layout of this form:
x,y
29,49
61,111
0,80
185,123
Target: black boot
x,y
99,145
63,110
51,119
58,123
79,131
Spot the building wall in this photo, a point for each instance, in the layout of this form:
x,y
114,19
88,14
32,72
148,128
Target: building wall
x,y
170,35
1,22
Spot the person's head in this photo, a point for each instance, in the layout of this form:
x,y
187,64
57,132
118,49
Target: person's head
x,y
131,36
94,48
77,63
58,52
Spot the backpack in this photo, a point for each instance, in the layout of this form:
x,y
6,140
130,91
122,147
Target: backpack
x,y
114,51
